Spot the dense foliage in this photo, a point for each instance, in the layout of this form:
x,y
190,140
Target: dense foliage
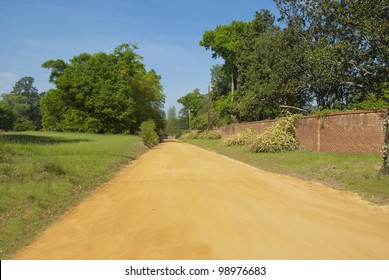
x,y
19,109
194,110
149,135
329,55
102,93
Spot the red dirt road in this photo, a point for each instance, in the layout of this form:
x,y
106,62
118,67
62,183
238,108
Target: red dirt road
x,y
181,202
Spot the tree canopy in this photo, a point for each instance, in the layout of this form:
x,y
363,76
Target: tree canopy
x,y
19,109
223,41
330,55
102,93
195,109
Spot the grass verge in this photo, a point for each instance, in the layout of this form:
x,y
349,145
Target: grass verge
x,y
351,172
42,175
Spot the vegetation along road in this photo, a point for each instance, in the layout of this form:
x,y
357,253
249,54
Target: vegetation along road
x,y
182,202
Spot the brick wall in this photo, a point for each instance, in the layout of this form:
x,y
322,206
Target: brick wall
x,y
344,132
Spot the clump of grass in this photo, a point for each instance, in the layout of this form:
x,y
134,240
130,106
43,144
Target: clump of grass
x,y
54,168
2,148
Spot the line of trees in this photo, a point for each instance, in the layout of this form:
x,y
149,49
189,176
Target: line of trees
x,y
19,109
330,55
94,93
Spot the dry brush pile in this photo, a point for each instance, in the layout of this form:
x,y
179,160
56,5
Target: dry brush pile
x,y
195,134
280,137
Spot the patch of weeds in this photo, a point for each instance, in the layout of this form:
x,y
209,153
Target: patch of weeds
x,y
54,168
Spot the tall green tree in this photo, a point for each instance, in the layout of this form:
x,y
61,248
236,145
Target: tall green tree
x,y
6,119
102,93
347,54
270,64
254,61
22,106
195,107
219,81
172,125
223,41
222,107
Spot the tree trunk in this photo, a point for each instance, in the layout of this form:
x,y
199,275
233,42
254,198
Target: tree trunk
x,y
232,84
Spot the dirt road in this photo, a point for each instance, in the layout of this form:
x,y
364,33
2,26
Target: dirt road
x,y
181,202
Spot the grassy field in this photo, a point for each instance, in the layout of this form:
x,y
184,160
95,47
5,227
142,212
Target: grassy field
x,y
42,175
352,172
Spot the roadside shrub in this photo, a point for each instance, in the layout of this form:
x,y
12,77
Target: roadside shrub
x,y
200,122
241,138
210,135
280,137
191,134
195,134
147,132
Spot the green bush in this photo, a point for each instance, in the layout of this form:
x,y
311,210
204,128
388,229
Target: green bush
x,y
7,119
200,122
73,121
93,125
23,124
147,132
191,134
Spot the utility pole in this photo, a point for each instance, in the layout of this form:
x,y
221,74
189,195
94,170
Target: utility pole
x,y
189,119
209,109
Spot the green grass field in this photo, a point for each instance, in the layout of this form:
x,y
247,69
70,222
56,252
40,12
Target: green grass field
x,y
42,175
352,172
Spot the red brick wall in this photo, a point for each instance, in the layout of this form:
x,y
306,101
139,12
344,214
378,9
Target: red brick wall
x,y
344,132
229,130
307,133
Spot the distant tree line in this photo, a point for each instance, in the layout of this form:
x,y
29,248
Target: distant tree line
x,y
330,55
19,109
94,93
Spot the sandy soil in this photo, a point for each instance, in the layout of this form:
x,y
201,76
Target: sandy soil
x,y
182,202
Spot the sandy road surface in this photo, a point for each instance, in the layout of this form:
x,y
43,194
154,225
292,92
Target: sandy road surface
x,y
181,202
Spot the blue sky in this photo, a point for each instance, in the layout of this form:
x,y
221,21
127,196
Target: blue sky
x,y
167,33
